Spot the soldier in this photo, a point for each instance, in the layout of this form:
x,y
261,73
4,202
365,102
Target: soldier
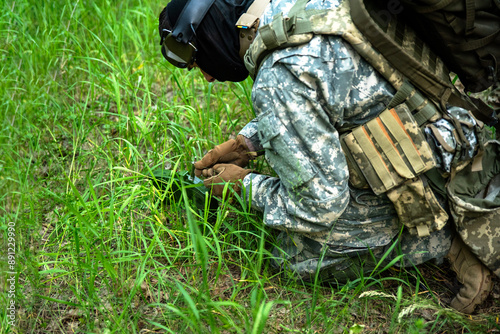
x,y
305,97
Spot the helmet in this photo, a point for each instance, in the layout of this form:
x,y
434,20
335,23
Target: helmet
x,y
177,45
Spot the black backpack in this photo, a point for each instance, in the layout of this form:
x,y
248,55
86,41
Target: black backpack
x,y
465,34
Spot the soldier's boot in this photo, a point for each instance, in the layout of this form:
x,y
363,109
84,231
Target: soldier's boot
x,y
475,277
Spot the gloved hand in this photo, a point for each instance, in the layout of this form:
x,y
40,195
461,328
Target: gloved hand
x,y
222,173
233,151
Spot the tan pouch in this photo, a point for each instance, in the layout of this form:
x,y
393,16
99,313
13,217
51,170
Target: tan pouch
x,y
417,207
387,151
389,154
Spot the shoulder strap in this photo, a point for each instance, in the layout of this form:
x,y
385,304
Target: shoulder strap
x,y
253,13
248,23
294,30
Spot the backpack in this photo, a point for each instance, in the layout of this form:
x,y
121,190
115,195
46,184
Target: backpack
x,y
405,38
469,30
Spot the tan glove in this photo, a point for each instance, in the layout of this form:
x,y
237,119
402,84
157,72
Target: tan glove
x,y
223,173
233,151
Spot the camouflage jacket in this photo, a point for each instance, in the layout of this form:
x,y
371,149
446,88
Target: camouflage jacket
x,y
305,97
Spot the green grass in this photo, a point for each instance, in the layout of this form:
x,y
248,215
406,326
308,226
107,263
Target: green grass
x,y
88,108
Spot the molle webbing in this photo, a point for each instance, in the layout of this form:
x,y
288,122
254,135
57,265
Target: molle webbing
x,y
413,57
248,23
388,150
421,108
388,154
300,28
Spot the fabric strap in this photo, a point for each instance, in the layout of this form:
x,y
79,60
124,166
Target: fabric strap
x,y
248,23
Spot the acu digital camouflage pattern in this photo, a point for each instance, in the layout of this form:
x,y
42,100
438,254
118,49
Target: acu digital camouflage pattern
x,y
448,149
417,207
341,257
305,97
336,20
492,96
475,198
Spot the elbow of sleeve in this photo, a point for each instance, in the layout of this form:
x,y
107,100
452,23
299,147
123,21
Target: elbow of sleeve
x,y
320,211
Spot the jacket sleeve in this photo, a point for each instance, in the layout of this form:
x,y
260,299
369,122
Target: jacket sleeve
x,y
303,148
302,96
250,132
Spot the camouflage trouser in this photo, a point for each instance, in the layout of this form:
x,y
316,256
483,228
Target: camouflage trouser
x,y
491,96
341,258
351,263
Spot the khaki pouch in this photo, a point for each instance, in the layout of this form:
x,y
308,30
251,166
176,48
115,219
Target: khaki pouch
x,y
387,151
388,154
417,207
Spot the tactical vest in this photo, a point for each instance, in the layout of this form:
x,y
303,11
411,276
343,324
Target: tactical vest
x,y
388,154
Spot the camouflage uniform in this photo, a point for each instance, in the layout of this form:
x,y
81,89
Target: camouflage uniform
x,y
304,97
491,95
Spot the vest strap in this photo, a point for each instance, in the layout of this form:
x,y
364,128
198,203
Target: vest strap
x,y
248,23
